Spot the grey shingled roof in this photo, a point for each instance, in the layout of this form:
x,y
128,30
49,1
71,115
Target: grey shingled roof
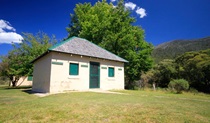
x,y
84,47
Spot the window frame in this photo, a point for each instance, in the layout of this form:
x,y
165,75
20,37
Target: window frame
x,y
30,78
111,74
72,72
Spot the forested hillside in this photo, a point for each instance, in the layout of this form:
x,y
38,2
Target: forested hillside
x,y
193,67
172,49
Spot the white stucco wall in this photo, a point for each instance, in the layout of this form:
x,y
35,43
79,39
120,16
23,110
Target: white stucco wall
x,y
61,80
41,74
23,81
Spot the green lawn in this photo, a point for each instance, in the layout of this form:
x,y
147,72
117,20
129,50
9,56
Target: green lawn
x,y
134,106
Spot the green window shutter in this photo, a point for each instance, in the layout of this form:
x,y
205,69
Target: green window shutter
x,y
111,72
73,69
30,78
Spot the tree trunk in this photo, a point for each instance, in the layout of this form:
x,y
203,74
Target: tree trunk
x,y
14,81
154,88
11,79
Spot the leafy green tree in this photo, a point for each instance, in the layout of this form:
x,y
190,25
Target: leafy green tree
x,y
18,62
179,85
149,78
196,67
112,28
165,71
4,68
9,67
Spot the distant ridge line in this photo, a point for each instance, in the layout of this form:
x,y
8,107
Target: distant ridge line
x,y
171,49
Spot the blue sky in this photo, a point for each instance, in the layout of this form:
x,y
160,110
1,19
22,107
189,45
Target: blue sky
x,y
162,20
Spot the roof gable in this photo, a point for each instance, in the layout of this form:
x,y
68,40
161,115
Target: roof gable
x,y
80,46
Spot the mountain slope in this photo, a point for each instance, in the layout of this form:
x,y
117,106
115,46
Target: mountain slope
x,y
170,50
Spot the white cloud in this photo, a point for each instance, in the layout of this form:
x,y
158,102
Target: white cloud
x,y
5,25
133,7
130,5
8,34
141,12
10,37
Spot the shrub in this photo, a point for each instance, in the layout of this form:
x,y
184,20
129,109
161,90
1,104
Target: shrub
x,y
193,90
179,85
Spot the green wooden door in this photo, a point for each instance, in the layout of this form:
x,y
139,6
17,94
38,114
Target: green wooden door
x,y
94,75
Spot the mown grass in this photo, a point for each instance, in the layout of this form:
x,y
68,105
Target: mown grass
x,y
133,106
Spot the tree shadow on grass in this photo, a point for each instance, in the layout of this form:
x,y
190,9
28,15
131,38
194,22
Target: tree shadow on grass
x,y
6,87
19,87
26,89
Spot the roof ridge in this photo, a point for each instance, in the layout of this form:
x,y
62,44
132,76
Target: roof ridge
x,y
92,49
61,43
104,49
